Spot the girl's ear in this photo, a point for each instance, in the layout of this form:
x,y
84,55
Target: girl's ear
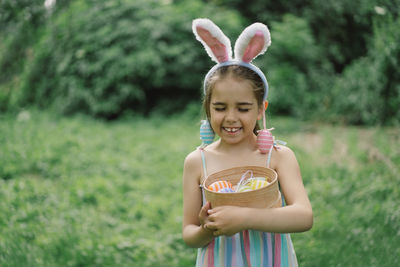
x,y
262,109
253,41
217,45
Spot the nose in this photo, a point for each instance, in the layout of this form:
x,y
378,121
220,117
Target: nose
x,y
231,115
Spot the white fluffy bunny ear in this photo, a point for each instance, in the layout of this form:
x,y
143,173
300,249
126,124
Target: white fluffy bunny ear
x,y
217,45
253,41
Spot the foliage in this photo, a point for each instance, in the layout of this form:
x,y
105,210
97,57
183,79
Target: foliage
x,y
19,21
106,58
338,67
78,192
287,63
81,192
371,85
341,28
21,26
23,12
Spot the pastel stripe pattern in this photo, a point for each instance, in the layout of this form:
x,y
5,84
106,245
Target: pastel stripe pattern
x,y
218,185
265,141
256,184
248,248
206,133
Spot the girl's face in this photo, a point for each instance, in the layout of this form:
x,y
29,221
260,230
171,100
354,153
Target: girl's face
x,y
234,110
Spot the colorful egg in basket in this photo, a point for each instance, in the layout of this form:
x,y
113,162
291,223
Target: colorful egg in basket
x,y
218,185
226,190
257,183
245,188
264,197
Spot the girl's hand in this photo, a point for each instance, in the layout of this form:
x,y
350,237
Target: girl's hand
x,y
226,220
203,215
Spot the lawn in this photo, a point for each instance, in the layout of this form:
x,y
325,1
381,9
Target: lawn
x,y
83,192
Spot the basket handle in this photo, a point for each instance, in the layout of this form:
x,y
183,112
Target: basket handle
x,y
243,179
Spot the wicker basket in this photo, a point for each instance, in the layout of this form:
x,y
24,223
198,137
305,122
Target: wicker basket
x,y
265,197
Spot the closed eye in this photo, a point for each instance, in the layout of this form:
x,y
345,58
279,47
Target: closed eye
x,y
244,106
219,106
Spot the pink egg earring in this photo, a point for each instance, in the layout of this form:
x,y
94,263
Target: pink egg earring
x,y
265,140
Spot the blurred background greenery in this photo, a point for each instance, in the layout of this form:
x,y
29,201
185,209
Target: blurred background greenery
x,y
100,103
332,60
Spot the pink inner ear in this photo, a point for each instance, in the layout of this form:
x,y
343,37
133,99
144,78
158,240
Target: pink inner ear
x,y
219,50
254,47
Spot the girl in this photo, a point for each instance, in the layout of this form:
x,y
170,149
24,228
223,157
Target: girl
x,y
235,99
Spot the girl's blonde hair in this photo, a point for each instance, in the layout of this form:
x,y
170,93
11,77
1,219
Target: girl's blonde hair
x,y
237,72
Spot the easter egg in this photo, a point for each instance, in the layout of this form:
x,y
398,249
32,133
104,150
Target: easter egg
x,y
226,190
218,185
206,132
265,141
256,184
259,178
245,188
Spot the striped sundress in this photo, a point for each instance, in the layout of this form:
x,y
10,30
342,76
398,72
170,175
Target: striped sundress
x,y
247,248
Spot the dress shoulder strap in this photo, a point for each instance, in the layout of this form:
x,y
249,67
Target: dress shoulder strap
x,y
276,142
203,159
269,156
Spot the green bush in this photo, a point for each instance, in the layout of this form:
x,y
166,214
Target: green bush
x,y
290,59
19,24
106,58
369,90
320,64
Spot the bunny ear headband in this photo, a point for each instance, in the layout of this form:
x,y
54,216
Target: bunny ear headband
x,y
253,41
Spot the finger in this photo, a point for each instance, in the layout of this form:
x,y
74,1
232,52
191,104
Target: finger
x,y
207,207
204,209
211,226
213,211
208,230
216,209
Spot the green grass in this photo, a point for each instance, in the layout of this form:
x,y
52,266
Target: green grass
x,y
81,192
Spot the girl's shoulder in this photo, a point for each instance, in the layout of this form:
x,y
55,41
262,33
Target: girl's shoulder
x,y
282,150
282,155
193,157
193,163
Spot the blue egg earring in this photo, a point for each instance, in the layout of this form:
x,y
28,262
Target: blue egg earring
x,y
206,133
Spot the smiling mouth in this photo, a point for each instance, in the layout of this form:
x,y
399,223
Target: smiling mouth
x,y
232,129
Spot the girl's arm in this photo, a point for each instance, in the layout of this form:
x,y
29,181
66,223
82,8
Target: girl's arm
x,y
194,216
296,216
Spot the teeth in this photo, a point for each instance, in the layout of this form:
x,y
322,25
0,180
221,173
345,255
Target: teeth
x,y
231,130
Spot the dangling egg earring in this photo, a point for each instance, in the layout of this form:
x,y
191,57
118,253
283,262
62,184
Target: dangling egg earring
x,y
265,140
206,133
